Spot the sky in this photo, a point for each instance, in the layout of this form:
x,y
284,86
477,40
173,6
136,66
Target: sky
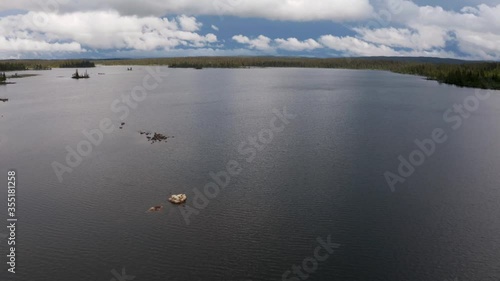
x,y
463,29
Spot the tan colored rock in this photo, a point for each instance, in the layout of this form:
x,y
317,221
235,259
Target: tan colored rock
x,y
178,198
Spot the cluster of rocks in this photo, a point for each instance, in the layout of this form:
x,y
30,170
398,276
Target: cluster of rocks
x,y
174,199
4,100
155,137
178,198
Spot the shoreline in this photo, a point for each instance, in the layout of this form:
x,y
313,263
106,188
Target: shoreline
x,y
464,74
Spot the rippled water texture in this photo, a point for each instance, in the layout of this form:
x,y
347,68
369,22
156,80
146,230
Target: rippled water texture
x,y
322,175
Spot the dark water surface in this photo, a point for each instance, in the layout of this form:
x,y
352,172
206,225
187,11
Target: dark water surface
x,y
323,175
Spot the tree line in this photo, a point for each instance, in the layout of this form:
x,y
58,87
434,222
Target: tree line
x,y
484,75
76,64
12,66
18,65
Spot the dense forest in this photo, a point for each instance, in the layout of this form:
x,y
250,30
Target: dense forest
x,y
484,75
76,64
12,66
41,67
476,75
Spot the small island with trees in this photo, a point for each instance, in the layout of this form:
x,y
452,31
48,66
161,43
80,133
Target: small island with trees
x,y
78,76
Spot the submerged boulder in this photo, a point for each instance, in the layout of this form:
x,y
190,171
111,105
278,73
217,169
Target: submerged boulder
x,y
155,208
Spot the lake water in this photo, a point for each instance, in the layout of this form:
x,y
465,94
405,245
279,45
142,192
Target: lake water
x,y
320,175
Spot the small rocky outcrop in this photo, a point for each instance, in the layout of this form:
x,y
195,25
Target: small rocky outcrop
x,y
155,209
155,137
178,198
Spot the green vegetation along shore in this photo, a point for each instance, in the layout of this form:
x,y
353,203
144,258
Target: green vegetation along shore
x,y
485,75
3,78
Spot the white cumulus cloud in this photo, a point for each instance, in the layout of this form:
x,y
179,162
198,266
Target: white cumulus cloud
x,y
189,23
293,44
98,30
264,43
379,27
474,30
423,38
354,46
261,43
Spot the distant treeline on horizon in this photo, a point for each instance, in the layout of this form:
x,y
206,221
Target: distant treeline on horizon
x,y
76,64
484,75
